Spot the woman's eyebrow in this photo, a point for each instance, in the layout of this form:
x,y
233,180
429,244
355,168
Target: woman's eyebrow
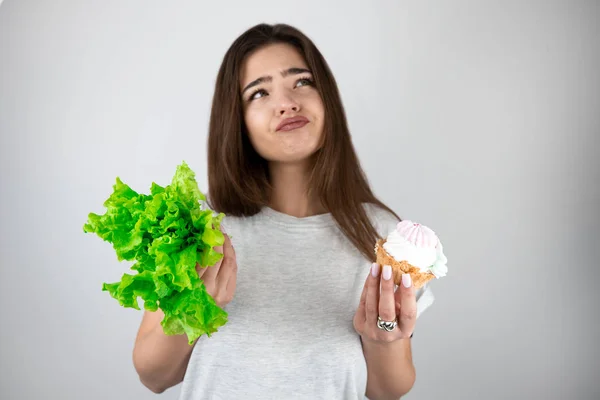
x,y
268,78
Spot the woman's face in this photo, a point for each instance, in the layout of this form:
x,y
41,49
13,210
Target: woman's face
x,y
276,86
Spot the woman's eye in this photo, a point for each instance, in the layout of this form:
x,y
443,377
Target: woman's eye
x,y
304,81
255,94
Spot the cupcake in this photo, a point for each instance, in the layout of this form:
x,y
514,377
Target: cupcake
x,y
414,249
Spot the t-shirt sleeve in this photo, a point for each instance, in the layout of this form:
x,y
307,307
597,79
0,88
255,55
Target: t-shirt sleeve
x,y
385,222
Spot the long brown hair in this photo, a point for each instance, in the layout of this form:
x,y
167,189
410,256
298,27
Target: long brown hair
x,y
238,176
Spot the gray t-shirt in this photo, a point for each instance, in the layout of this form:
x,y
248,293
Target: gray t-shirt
x,y
289,333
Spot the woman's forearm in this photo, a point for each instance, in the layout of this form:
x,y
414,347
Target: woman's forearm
x,y
390,369
160,360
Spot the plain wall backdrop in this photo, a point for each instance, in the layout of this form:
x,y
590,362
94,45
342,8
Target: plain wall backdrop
x,y
479,119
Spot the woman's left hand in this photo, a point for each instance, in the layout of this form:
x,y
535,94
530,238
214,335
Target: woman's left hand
x,y
400,306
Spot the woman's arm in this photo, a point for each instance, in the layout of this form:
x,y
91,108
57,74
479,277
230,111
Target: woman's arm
x,y
390,369
160,360
391,373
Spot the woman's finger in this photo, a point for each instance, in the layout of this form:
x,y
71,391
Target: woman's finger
x,y
405,295
387,306
231,283
372,296
211,271
228,264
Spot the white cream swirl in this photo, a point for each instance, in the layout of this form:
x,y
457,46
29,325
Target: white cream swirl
x,y
419,246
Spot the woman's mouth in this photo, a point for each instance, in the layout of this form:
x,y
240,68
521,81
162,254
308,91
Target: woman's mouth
x,y
290,124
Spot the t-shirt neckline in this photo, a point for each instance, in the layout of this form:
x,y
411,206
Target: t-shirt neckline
x,y
319,220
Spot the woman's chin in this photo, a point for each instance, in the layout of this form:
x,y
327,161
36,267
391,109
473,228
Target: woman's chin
x,y
298,156
293,151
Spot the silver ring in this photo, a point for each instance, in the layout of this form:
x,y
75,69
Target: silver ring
x,y
387,326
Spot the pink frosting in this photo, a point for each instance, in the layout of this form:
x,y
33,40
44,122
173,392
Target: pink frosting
x,y
417,234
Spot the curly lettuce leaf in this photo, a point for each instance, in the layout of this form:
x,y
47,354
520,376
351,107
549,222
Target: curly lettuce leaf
x,y
166,233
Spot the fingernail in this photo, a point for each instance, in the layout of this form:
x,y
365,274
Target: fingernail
x,y
387,272
375,269
406,281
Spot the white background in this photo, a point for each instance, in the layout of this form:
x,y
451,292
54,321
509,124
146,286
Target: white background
x,y
479,119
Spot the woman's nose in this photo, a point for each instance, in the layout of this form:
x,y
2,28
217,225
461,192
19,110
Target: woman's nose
x,y
287,104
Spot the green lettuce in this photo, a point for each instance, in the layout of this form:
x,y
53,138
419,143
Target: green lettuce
x,y
166,234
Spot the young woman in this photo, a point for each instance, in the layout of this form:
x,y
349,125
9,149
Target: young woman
x,y
297,280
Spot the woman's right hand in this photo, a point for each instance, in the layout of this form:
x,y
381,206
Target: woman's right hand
x,y
220,279
161,360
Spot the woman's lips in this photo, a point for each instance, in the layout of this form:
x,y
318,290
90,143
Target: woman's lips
x,y
290,124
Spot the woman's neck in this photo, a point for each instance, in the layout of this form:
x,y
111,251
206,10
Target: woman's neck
x,y
290,191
